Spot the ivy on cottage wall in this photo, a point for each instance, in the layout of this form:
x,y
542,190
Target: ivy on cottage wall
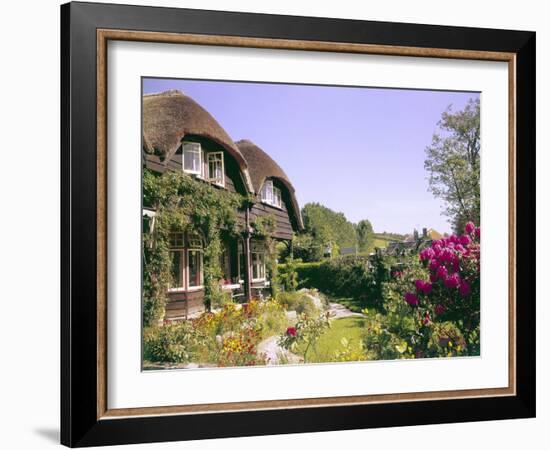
x,y
183,203
264,227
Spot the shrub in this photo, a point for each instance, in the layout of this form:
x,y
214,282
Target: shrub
x,y
359,277
172,343
288,300
288,276
301,302
272,318
431,306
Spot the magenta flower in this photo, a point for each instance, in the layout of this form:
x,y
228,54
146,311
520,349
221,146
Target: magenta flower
x,y
464,288
460,248
423,287
426,254
291,331
442,273
439,309
434,265
452,281
456,265
411,299
446,255
469,228
478,233
433,277
465,240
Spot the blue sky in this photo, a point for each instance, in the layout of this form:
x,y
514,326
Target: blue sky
x,y
356,150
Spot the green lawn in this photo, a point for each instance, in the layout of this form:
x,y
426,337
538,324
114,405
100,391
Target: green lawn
x,y
349,327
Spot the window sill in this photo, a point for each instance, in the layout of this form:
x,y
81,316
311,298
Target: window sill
x,y
183,290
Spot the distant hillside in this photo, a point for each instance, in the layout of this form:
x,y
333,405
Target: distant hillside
x,y
382,240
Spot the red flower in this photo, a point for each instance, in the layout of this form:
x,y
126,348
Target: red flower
x,y
411,299
439,309
291,331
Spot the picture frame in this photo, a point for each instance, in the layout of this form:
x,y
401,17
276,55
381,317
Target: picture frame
x,y
86,418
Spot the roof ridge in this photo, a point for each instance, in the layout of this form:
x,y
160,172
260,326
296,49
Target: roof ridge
x,y
167,93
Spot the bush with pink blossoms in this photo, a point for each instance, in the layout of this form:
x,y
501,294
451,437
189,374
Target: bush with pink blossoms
x,y
452,267
432,308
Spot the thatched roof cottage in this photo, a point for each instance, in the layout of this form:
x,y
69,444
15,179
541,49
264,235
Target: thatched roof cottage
x,y
179,134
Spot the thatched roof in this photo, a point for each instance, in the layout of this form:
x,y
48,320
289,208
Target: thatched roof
x,y
262,166
169,116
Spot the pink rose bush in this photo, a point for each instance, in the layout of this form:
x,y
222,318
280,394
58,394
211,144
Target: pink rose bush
x,y
432,308
451,287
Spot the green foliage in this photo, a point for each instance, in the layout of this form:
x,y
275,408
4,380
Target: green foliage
x,y
228,337
304,335
325,228
342,342
453,164
182,203
358,278
288,276
365,236
264,227
173,343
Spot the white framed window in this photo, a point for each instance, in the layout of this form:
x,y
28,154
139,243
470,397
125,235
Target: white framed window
x,y
192,158
271,194
195,268
186,262
177,261
277,197
216,173
194,240
257,259
267,192
258,266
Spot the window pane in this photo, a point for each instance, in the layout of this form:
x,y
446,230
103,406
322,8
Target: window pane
x,y
277,197
215,168
192,157
195,268
176,240
258,266
225,264
267,192
177,264
194,240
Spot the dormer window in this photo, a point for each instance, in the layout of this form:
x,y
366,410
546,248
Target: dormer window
x,y
192,157
216,173
271,194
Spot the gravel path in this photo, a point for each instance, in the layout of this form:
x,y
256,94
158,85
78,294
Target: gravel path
x,y
274,352
338,311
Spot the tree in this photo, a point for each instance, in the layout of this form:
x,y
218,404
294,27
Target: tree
x,y
327,229
453,161
365,235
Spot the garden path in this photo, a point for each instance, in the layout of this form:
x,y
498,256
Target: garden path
x,y
274,352
338,311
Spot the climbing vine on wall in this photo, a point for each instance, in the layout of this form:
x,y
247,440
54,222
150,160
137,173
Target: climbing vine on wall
x,y
182,203
264,227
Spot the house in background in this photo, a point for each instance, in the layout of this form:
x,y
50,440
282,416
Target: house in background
x,y
178,134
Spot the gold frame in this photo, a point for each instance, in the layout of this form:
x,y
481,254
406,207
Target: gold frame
x,y
103,36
